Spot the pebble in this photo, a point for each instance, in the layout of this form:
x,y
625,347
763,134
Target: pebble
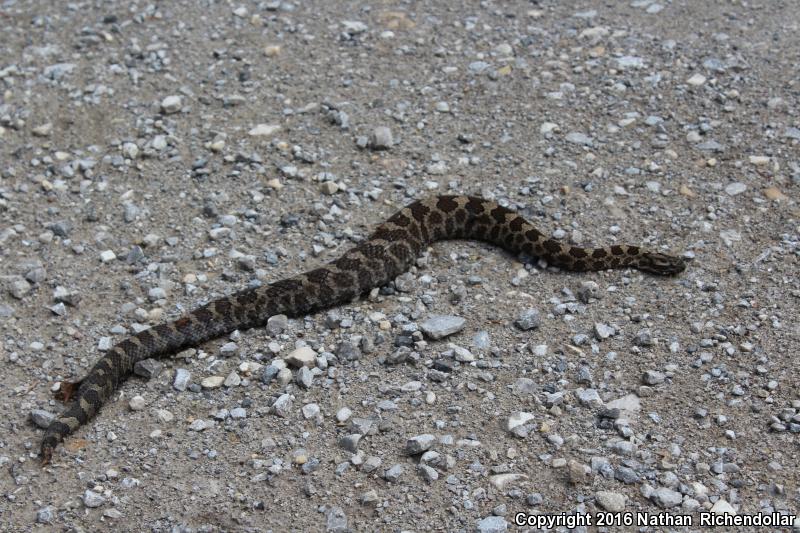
x,y
721,506
381,138
419,444
528,319
42,418
665,497
171,104
302,356
310,410
336,520
181,381
343,415
440,326
45,515
735,188
212,382
518,423
611,501
603,331
136,403
107,256
696,80
264,130
282,406
579,138
92,499
394,473
201,425
232,380
491,524
653,377
304,377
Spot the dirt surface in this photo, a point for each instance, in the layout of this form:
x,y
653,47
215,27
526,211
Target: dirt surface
x,y
156,156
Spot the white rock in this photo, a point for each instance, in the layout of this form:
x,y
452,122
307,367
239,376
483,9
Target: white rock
x,y
500,481
302,356
171,104
696,80
212,382
264,130
107,256
136,403
611,501
722,507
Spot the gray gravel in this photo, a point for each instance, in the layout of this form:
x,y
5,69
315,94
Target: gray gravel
x,y
154,156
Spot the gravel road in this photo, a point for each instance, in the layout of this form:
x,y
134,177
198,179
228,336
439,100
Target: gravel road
x,y
155,156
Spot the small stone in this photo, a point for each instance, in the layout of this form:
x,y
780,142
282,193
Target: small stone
x,y
630,62
238,413
212,382
304,377
181,381
282,406
653,377
19,288
44,130
735,188
302,356
130,150
588,291
277,324
759,160
492,524
773,193
343,415
136,403
696,80
643,338
419,444
393,473
147,368
350,442
45,515
501,481
589,397
310,410
528,319
336,520
171,104
107,256
428,473
665,497
721,506
156,293
517,423
611,501
232,380
92,499
603,331
381,138
575,137
42,418
264,130
201,425
440,326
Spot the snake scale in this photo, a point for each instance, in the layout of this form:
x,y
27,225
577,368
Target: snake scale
x,y
388,252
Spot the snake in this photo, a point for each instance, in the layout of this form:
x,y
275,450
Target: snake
x,y
374,262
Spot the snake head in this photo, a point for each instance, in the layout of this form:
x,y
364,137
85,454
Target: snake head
x,y
660,264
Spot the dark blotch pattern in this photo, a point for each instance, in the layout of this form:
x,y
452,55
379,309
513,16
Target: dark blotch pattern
x,y
388,252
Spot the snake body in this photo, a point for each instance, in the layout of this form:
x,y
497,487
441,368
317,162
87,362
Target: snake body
x,y
388,252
